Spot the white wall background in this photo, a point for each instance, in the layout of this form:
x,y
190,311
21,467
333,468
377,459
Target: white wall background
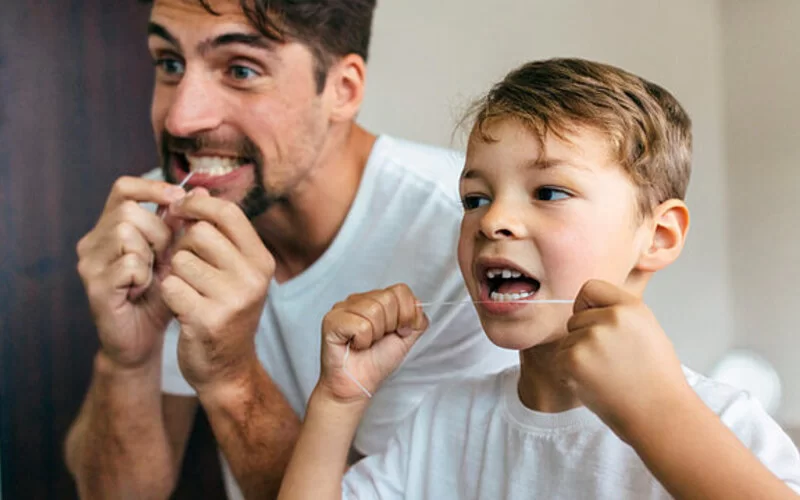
x,y
762,116
429,58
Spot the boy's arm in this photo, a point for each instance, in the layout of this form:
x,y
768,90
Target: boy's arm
x,y
694,455
320,455
372,333
619,362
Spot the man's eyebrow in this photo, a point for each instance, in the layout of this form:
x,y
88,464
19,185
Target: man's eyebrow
x,y
155,29
250,39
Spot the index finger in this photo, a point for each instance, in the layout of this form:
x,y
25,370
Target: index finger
x,y
140,189
227,216
596,294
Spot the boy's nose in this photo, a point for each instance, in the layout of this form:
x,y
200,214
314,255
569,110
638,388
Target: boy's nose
x,y
501,221
195,108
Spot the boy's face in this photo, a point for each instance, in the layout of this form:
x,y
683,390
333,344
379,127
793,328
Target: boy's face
x,y
539,223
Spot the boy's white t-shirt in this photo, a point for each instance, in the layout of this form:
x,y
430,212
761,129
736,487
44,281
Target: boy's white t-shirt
x,y
474,439
402,228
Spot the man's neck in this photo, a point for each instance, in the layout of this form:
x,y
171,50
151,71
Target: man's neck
x,y
299,230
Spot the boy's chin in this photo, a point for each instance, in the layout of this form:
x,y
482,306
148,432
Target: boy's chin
x,y
521,339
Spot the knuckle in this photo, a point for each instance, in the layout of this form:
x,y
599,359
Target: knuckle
x,y
362,328
372,308
127,209
200,229
230,212
125,232
120,184
401,289
82,246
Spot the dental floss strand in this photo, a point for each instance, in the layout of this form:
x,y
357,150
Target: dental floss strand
x,y
424,304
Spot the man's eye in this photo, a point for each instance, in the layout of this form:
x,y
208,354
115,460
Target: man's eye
x,y
242,72
472,202
551,194
169,66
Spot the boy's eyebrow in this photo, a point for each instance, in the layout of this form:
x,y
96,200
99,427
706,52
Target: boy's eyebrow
x,y
250,39
548,163
538,163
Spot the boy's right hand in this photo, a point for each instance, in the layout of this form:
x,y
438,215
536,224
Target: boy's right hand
x,y
381,327
115,263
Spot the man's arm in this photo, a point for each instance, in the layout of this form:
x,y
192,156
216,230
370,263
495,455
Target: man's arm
x,y
256,430
128,440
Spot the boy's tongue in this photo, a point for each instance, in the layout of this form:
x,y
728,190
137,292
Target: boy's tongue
x,y
516,286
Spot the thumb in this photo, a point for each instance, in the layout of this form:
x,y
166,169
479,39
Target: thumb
x,y
597,294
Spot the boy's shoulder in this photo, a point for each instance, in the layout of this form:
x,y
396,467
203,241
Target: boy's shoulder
x,y
739,411
718,396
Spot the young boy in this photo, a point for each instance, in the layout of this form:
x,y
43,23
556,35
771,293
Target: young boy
x,y
572,189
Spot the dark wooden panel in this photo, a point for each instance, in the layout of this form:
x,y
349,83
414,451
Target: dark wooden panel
x,y
75,84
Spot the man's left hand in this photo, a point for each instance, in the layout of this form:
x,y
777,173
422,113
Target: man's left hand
x,y
216,287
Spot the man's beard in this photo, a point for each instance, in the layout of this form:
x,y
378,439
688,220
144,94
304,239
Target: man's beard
x,y
257,200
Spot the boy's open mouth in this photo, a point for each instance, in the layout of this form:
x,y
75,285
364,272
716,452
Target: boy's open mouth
x,y
507,284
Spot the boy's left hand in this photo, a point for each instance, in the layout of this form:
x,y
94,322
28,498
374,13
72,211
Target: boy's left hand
x,y
617,359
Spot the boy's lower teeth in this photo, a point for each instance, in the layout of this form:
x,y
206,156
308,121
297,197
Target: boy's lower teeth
x,y
509,297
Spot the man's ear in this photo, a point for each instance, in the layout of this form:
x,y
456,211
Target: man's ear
x,y
668,228
345,82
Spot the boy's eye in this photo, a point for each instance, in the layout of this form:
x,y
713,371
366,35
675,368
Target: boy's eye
x,y
550,194
242,72
473,201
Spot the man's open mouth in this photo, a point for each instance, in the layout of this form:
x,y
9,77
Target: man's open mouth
x,y
209,165
506,284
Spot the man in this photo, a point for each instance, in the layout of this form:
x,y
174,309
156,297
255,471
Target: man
x,y
255,103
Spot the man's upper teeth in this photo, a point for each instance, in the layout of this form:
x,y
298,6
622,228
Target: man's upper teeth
x,y
212,165
504,273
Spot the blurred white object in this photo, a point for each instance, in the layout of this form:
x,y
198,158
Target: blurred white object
x,y
751,372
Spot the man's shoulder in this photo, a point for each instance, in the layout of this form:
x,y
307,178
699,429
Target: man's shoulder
x,y
424,167
155,175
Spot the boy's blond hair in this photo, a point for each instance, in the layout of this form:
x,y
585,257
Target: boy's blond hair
x,y
649,132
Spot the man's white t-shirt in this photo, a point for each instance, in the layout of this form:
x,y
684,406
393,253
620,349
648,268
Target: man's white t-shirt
x,y
402,228
474,439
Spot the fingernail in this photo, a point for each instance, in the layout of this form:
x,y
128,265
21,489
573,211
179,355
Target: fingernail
x,y
405,331
174,193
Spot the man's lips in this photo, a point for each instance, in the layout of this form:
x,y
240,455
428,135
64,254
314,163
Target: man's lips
x,y
210,175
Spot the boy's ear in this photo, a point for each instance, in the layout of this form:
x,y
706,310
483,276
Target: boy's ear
x,y
670,224
346,80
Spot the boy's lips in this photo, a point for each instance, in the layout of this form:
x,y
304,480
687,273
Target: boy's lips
x,y
504,286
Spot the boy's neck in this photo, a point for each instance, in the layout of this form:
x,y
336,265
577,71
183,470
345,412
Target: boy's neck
x,y
540,388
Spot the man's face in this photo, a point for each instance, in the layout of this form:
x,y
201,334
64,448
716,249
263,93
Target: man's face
x,y
239,111
538,224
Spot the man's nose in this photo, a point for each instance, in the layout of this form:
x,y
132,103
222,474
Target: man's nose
x,y
503,220
195,107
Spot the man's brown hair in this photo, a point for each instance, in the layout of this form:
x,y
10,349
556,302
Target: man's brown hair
x,y
329,28
648,130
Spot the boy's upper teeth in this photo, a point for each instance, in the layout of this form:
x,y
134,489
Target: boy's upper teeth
x,y
504,273
212,165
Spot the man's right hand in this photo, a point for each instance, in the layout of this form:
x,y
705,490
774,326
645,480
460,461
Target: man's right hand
x,y
116,262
